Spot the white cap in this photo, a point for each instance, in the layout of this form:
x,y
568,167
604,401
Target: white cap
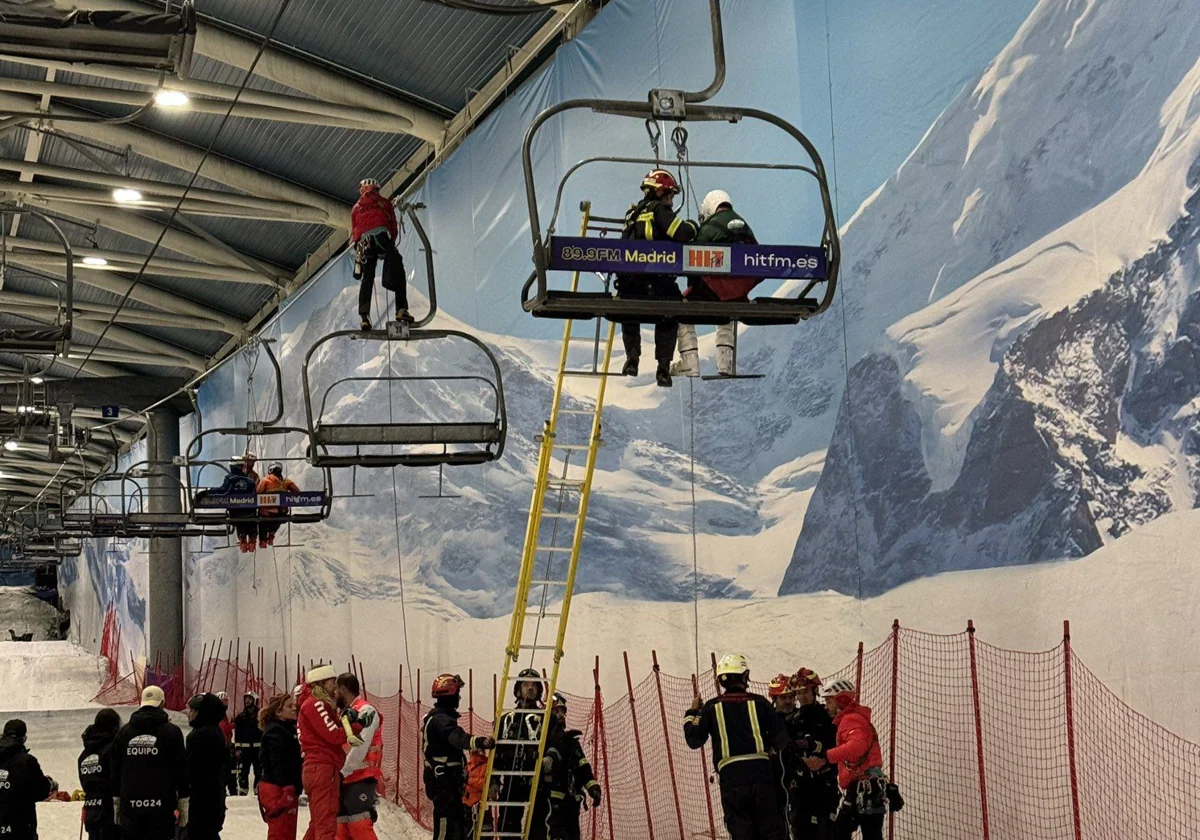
x,y
152,695
320,674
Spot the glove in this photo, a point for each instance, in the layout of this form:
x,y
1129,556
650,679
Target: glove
x,y
486,742
594,792
352,716
354,741
53,784
116,810
183,812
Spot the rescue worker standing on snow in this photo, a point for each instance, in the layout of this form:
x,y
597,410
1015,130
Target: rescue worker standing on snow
x,y
247,741
24,785
95,775
282,782
323,746
859,762
811,731
374,233
150,773
273,483
571,777
445,772
524,724
363,771
653,218
789,763
208,765
719,224
744,729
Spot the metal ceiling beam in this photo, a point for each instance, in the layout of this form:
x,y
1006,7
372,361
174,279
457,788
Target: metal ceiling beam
x,y
296,73
180,155
35,306
278,210
33,151
251,104
37,251
72,364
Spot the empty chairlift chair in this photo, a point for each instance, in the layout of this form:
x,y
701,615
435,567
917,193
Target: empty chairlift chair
x,y
38,335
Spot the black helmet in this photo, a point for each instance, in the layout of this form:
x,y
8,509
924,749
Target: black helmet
x,y
528,675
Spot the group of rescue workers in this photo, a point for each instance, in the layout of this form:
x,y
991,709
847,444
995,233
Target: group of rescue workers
x,y
262,523
375,236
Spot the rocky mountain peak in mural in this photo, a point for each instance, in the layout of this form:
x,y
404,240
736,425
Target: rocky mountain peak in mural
x,y
1088,427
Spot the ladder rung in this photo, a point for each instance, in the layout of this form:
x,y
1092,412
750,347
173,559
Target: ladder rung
x,y
547,583
559,548
493,804
500,833
516,742
565,482
590,339
588,411
538,647
589,373
572,446
557,515
513,772
542,712
547,614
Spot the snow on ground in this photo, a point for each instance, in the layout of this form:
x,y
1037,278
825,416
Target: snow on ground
x,y
48,675
22,612
59,820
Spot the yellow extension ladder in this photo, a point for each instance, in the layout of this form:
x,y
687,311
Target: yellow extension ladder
x,y
553,537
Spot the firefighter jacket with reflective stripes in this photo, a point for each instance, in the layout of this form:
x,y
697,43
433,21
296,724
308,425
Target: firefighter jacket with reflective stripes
x,y
571,773
445,742
654,219
744,729
366,760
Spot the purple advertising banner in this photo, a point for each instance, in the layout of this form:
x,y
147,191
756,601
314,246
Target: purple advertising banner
x,y
635,256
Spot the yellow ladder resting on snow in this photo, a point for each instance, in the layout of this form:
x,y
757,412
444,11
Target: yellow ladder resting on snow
x,y
566,461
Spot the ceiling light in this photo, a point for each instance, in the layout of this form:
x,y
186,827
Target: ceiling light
x,y
36,380
171,99
126,194
95,261
10,445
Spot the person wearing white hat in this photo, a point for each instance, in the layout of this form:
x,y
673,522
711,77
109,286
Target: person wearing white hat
x,y
150,773
323,746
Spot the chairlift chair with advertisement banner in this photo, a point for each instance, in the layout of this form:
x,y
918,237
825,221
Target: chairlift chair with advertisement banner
x,y
388,442
814,266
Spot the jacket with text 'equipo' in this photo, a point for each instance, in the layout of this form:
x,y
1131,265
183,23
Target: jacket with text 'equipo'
x,y
744,728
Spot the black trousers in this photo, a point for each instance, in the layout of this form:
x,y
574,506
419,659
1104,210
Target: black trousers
x,y
206,824
103,831
812,804
666,333
380,246
564,819
753,811
248,760
871,825
451,818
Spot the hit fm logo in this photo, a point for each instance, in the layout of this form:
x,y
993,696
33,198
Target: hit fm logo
x,y
706,259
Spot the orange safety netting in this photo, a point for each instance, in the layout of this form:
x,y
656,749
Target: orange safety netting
x,y
984,743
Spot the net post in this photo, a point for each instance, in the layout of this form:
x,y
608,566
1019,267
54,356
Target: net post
x,y
235,657
637,740
399,727
892,718
716,683
199,672
858,659
419,745
275,671
1070,709
662,708
712,823
983,798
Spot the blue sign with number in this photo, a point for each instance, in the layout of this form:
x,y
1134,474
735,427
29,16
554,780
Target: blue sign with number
x,y
110,412
635,256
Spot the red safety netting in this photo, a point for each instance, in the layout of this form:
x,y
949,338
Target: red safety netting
x,y
984,743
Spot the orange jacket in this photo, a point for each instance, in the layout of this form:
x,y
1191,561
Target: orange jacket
x,y
275,484
476,773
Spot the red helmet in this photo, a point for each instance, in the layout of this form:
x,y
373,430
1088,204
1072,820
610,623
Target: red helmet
x,y
447,685
805,678
660,180
780,686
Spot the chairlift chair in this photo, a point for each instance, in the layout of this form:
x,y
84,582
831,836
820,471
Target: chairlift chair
x,y
53,338
816,265
477,441
140,522
160,41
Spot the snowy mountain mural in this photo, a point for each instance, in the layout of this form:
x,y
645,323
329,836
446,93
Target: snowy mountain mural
x,y
1009,376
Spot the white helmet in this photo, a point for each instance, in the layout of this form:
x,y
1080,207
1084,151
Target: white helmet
x,y
251,694
732,663
222,696
712,202
368,184
838,687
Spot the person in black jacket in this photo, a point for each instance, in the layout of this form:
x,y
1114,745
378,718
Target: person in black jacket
x,y
208,764
247,740
282,779
150,773
22,785
95,775
570,775
653,218
745,730
445,772
811,732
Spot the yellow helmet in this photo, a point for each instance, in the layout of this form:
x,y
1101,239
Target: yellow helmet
x,y
732,663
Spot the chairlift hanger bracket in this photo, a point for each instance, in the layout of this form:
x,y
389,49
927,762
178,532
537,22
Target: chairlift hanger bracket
x,y
54,338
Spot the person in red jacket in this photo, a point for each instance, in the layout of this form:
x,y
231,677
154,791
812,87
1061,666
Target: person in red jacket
x,y
860,765
374,234
323,747
362,774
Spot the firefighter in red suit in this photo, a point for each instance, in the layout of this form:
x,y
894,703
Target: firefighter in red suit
x,y
362,774
859,762
374,235
323,745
